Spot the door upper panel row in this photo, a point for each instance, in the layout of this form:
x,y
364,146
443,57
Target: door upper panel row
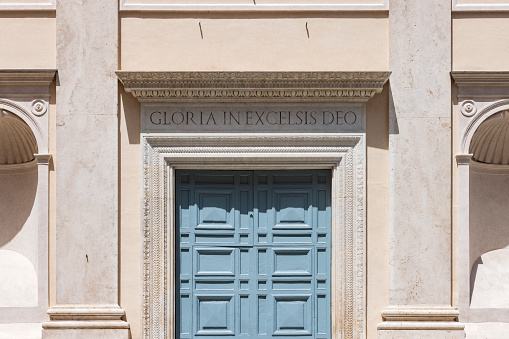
x,y
250,208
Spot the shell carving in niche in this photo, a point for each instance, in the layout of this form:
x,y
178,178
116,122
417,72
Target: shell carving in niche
x,y
490,143
17,141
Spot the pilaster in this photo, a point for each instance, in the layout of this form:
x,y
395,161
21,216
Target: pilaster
x,y
87,174
420,173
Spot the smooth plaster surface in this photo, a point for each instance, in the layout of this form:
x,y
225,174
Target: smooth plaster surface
x,y
254,42
480,41
489,235
28,40
481,2
377,182
249,2
21,330
492,330
130,207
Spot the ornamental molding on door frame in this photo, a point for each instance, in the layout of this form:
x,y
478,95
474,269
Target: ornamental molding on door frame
x,y
221,86
344,154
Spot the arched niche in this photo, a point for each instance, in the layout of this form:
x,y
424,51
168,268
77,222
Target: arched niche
x,y
492,110
489,235
29,118
481,96
24,196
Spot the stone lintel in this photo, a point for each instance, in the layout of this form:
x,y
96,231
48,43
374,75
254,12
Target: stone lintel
x,y
248,86
481,86
18,83
480,78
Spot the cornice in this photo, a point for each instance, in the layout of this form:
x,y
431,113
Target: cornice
x,y
480,78
252,86
27,84
28,77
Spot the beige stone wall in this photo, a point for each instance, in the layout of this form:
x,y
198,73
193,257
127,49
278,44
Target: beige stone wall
x,y
28,40
482,2
454,173
480,42
52,195
130,207
247,41
377,238
249,2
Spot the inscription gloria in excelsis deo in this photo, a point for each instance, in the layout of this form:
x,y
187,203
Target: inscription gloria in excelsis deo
x,y
254,118
300,119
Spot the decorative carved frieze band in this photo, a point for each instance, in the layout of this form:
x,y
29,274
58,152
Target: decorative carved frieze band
x,y
253,86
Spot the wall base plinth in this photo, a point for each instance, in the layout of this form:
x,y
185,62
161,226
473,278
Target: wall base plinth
x,y
85,321
82,333
421,334
421,322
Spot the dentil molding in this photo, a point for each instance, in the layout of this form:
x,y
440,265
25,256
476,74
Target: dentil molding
x,y
253,86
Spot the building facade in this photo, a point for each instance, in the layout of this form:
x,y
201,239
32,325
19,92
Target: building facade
x,y
254,169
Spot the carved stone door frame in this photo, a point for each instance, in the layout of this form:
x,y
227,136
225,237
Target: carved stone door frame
x,y
343,153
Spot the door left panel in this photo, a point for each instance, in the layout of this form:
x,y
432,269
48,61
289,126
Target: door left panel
x,y
215,245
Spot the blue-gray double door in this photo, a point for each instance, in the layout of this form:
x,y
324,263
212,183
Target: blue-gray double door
x,y
255,254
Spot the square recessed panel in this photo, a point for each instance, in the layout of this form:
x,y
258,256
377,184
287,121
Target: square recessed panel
x,y
292,209
292,261
292,315
215,210
215,261
215,315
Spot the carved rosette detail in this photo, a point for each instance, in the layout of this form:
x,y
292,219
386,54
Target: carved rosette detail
x,y
468,108
39,107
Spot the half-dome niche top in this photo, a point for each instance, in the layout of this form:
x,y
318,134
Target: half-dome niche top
x,y
17,141
490,142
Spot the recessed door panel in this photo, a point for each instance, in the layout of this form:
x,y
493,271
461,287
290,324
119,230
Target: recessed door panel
x,y
254,252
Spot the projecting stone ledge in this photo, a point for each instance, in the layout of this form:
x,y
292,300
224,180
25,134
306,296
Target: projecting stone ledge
x,y
165,86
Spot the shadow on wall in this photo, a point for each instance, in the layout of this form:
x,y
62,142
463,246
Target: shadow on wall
x,y
489,236
17,198
131,115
